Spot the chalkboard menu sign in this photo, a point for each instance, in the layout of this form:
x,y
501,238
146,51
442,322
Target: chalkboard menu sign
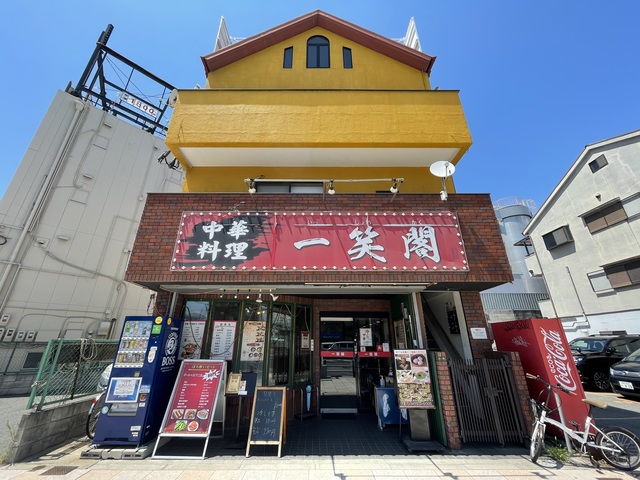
x,y
268,417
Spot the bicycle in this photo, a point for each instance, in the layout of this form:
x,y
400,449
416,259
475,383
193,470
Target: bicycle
x,y
618,446
94,414
98,402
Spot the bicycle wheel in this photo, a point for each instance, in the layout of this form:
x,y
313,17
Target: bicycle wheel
x,y
615,438
93,415
537,441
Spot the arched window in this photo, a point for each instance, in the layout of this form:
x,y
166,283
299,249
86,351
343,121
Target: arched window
x,y
318,52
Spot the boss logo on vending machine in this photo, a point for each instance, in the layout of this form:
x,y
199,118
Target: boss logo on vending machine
x,y
170,348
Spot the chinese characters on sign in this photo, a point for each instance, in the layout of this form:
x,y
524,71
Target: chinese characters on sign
x,y
319,241
192,335
224,333
253,341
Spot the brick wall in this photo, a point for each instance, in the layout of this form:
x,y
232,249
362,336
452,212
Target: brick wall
x,y
152,252
451,425
475,318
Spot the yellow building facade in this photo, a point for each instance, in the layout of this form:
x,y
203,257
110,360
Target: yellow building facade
x,y
374,117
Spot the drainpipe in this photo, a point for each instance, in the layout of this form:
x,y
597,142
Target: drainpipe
x,y
39,202
584,315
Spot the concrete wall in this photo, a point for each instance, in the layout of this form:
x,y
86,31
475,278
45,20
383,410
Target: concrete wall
x,y
16,384
42,431
81,187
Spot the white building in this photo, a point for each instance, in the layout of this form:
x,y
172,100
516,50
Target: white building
x,y
70,214
586,237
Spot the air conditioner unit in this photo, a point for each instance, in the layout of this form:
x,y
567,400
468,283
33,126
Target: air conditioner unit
x,y
20,336
8,337
4,319
1,333
31,336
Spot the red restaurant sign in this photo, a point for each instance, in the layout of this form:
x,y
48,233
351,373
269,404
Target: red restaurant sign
x,y
339,241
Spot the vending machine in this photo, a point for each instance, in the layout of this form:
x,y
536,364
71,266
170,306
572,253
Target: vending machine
x,y
142,378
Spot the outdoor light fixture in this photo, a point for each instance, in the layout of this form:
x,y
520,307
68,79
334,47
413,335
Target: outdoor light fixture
x,y
273,297
259,299
394,188
331,190
252,186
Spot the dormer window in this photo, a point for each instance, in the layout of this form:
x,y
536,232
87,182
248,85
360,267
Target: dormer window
x,y
318,52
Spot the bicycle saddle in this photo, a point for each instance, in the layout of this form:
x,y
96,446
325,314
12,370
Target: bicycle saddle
x,y
595,403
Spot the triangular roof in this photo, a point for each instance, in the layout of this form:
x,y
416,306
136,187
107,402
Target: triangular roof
x,y
567,178
318,18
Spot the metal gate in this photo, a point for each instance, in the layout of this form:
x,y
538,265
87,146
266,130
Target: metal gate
x,y
487,401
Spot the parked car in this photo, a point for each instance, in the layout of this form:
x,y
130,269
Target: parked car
x,y
594,355
624,376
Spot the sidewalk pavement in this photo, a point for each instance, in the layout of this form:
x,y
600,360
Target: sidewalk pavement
x,y
67,464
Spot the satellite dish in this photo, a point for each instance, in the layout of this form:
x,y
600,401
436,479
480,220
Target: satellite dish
x,y
173,98
442,169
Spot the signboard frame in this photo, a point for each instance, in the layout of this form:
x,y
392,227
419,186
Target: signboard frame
x,y
413,377
211,405
282,434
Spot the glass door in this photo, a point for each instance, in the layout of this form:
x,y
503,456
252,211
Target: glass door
x,y
338,390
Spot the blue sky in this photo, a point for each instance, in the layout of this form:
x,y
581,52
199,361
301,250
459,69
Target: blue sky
x,y
538,80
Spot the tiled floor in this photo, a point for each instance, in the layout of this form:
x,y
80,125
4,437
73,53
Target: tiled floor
x,y
327,435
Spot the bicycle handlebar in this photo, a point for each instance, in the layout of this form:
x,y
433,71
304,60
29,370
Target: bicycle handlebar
x,y
549,385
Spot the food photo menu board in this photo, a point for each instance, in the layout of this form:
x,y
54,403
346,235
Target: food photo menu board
x,y
192,335
194,397
412,379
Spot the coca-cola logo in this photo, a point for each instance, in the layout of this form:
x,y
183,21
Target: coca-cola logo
x,y
558,359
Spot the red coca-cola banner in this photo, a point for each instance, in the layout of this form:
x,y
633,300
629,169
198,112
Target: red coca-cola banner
x,y
544,351
339,241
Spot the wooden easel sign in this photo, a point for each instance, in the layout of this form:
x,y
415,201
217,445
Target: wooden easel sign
x,y
268,418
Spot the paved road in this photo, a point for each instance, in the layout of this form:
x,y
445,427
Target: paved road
x,y
11,411
621,412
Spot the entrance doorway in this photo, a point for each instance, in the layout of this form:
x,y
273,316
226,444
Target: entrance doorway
x,y
355,355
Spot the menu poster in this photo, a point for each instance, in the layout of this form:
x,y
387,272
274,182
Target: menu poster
x,y
412,379
253,341
366,337
194,398
222,339
192,335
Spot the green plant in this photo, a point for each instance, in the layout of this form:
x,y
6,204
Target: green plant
x,y
559,453
13,431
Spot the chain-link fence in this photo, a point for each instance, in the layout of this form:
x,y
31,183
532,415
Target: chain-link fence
x,y
20,358
70,369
